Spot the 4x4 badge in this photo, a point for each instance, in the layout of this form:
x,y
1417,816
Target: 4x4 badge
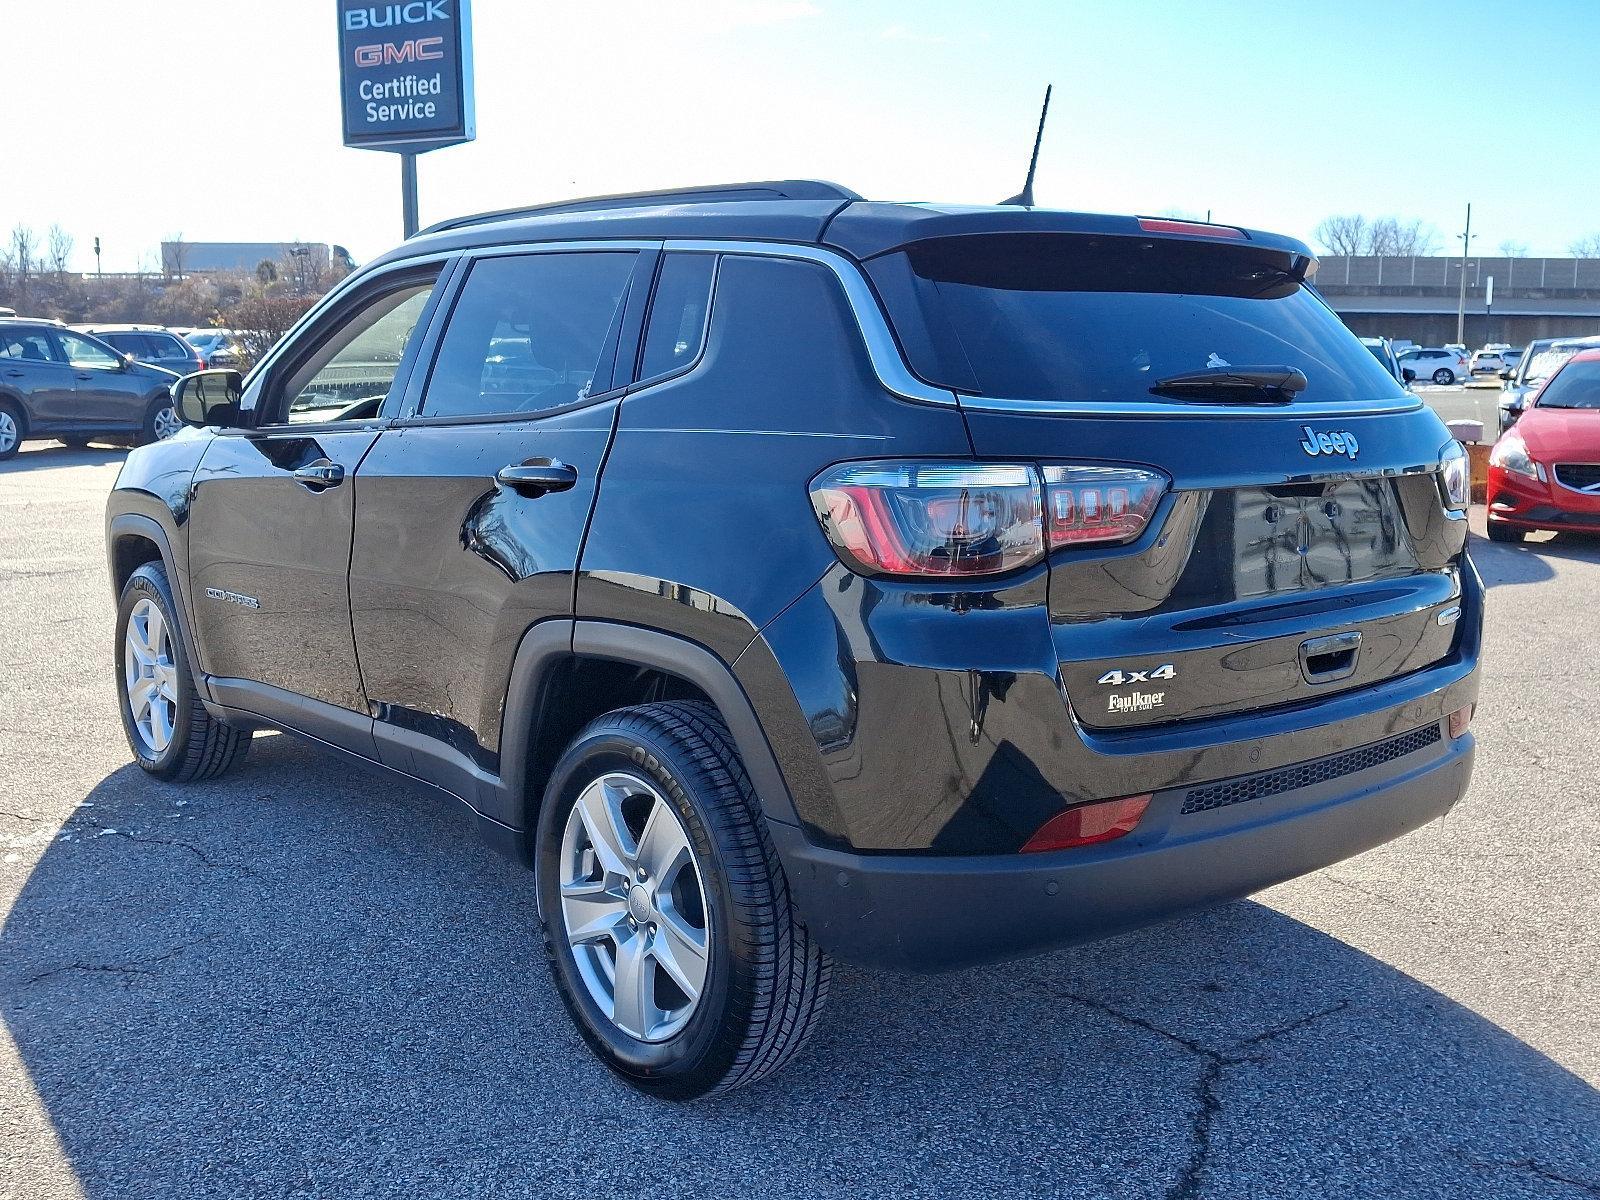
x,y
1339,442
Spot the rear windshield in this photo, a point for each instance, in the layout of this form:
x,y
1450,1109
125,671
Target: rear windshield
x,y
1102,319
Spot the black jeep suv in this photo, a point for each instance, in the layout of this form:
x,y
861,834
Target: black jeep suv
x,y
788,575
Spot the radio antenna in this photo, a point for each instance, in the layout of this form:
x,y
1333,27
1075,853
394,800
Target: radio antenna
x,y
1025,196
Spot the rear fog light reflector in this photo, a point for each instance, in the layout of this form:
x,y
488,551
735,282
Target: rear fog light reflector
x,y
1089,823
1459,720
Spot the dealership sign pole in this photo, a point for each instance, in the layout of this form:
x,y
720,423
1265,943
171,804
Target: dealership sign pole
x,y
405,82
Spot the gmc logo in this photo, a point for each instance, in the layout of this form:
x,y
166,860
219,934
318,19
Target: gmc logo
x,y
384,53
414,13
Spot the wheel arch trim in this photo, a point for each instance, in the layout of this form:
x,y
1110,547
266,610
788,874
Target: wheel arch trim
x,y
549,643
137,525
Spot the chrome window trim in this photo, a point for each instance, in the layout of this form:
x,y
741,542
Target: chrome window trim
x,y
888,364
892,371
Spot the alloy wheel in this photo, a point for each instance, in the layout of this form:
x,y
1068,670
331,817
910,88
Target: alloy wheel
x,y
633,907
167,422
151,675
8,432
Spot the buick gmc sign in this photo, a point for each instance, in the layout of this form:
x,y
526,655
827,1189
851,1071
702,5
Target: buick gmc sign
x,y
405,74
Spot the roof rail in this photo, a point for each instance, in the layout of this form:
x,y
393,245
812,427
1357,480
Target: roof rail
x,y
782,189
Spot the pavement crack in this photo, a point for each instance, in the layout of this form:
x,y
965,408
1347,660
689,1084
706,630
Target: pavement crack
x,y
1533,1167
135,967
1284,1030
243,869
1207,1098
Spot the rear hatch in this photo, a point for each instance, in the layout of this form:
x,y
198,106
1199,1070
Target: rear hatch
x,y
1304,546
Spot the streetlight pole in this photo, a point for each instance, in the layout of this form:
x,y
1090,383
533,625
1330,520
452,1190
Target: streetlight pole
x,y
1461,307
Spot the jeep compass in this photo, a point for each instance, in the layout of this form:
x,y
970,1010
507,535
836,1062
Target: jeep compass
x,y
787,576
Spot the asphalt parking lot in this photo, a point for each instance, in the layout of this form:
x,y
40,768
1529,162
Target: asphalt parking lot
x,y
306,981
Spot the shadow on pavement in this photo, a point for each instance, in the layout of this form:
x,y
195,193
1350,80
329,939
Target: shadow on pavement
x,y
1529,561
45,458
303,981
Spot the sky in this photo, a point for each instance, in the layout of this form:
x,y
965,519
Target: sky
x,y
137,120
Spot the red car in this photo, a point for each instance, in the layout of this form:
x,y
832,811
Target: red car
x,y
1544,472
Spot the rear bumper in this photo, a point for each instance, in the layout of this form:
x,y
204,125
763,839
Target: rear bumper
x,y
929,913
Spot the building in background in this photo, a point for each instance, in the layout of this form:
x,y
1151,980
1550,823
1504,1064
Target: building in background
x,y
213,258
1417,298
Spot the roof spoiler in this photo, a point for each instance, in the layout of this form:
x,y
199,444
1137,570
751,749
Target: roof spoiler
x,y
783,189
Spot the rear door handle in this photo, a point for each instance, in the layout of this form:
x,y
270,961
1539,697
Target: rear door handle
x,y
1326,659
320,474
537,476
15,374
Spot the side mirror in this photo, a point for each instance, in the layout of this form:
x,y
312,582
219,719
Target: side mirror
x,y
209,397
1410,375
1508,373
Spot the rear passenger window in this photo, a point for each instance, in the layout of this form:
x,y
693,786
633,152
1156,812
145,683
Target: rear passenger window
x,y
678,314
27,345
530,333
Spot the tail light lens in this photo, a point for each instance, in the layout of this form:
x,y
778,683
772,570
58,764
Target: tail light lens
x,y
1099,504
940,519
1455,475
931,518
1087,824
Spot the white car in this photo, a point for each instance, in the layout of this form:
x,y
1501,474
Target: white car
x,y
1432,365
1487,362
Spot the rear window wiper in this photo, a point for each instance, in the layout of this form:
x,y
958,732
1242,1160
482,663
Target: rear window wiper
x,y
1241,385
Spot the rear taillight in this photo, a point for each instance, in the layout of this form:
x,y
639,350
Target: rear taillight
x,y
202,361
1087,824
938,519
931,518
1099,504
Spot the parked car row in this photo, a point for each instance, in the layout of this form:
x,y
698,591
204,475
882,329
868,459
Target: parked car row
x,y
72,386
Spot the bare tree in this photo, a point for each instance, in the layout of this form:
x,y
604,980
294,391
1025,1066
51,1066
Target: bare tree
x,y
58,251
1343,235
1394,238
1511,248
174,253
1586,247
23,243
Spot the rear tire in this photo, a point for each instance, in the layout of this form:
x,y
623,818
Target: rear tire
x,y
171,734
161,421
1505,533
760,982
11,428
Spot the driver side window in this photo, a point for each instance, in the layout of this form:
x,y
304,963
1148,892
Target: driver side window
x,y
348,376
83,353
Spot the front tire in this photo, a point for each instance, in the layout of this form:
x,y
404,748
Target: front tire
x,y
171,734
1444,376
667,919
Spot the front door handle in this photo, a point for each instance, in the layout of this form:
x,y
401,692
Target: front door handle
x,y
537,476
320,474
15,374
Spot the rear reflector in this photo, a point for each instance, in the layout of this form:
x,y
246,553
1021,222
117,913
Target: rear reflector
x,y
1193,228
1088,823
1459,720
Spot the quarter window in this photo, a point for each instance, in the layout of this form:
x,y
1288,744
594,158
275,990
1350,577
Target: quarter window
x,y
27,345
678,314
530,333
349,375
